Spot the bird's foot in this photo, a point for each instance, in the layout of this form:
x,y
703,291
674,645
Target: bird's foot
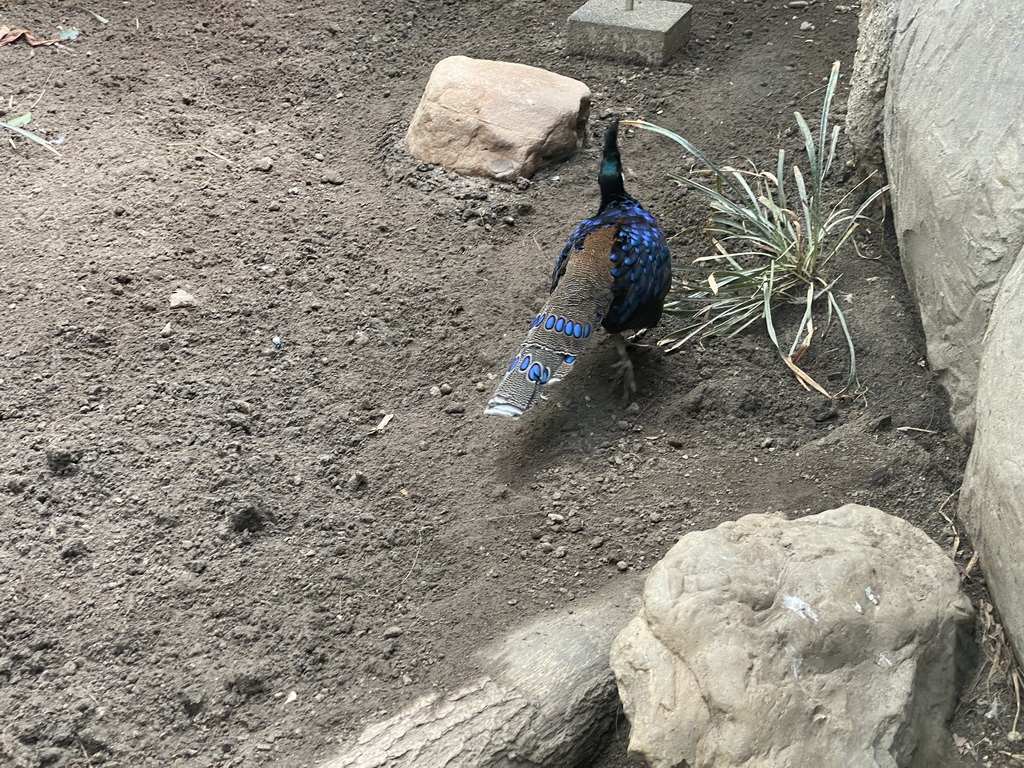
x,y
634,340
624,369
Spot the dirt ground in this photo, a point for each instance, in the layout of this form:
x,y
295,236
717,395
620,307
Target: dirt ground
x,y
213,549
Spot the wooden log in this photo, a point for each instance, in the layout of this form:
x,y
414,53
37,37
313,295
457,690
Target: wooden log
x,y
546,697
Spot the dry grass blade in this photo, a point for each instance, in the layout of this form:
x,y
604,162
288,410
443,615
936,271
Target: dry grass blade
x,y
804,378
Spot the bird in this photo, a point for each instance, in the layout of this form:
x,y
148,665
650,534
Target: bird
x,y
614,272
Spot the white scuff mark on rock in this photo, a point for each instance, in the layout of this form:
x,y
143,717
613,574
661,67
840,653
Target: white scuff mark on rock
x,y
799,606
870,593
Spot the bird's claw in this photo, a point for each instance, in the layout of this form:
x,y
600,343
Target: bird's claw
x,y
624,375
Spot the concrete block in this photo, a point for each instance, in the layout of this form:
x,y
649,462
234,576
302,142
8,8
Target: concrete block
x,y
648,34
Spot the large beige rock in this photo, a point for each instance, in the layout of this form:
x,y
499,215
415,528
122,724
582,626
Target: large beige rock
x,y
992,503
831,640
497,119
954,143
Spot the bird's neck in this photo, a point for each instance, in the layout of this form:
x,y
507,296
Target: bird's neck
x,y
610,181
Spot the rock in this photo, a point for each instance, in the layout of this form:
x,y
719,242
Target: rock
x,y
546,697
497,119
181,299
956,176
264,164
828,640
992,503
868,84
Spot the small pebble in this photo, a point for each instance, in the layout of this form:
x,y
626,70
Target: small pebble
x,y
446,389
166,331
332,177
393,632
264,164
797,4
806,26
181,299
622,565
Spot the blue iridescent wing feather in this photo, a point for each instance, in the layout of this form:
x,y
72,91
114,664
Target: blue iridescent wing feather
x,y
642,270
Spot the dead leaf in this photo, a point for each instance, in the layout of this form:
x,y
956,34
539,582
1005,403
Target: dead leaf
x,y
8,35
806,343
383,423
804,378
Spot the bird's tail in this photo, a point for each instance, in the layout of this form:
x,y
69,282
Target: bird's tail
x,y
563,329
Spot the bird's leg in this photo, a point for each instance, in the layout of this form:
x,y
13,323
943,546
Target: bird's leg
x,y
625,368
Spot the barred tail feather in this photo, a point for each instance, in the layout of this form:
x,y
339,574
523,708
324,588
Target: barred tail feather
x,y
546,357
533,368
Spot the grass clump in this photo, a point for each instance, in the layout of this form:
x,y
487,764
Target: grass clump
x,y
769,247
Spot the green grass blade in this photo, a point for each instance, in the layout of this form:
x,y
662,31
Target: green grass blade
x,y
826,108
851,381
810,149
29,135
685,144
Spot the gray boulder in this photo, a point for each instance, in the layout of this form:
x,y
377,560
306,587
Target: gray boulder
x,y
954,139
497,119
868,83
828,640
992,503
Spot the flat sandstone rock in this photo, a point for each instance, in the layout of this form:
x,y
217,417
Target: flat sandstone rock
x,y
497,119
828,640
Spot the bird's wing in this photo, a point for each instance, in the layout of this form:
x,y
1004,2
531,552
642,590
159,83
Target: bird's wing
x,y
641,268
